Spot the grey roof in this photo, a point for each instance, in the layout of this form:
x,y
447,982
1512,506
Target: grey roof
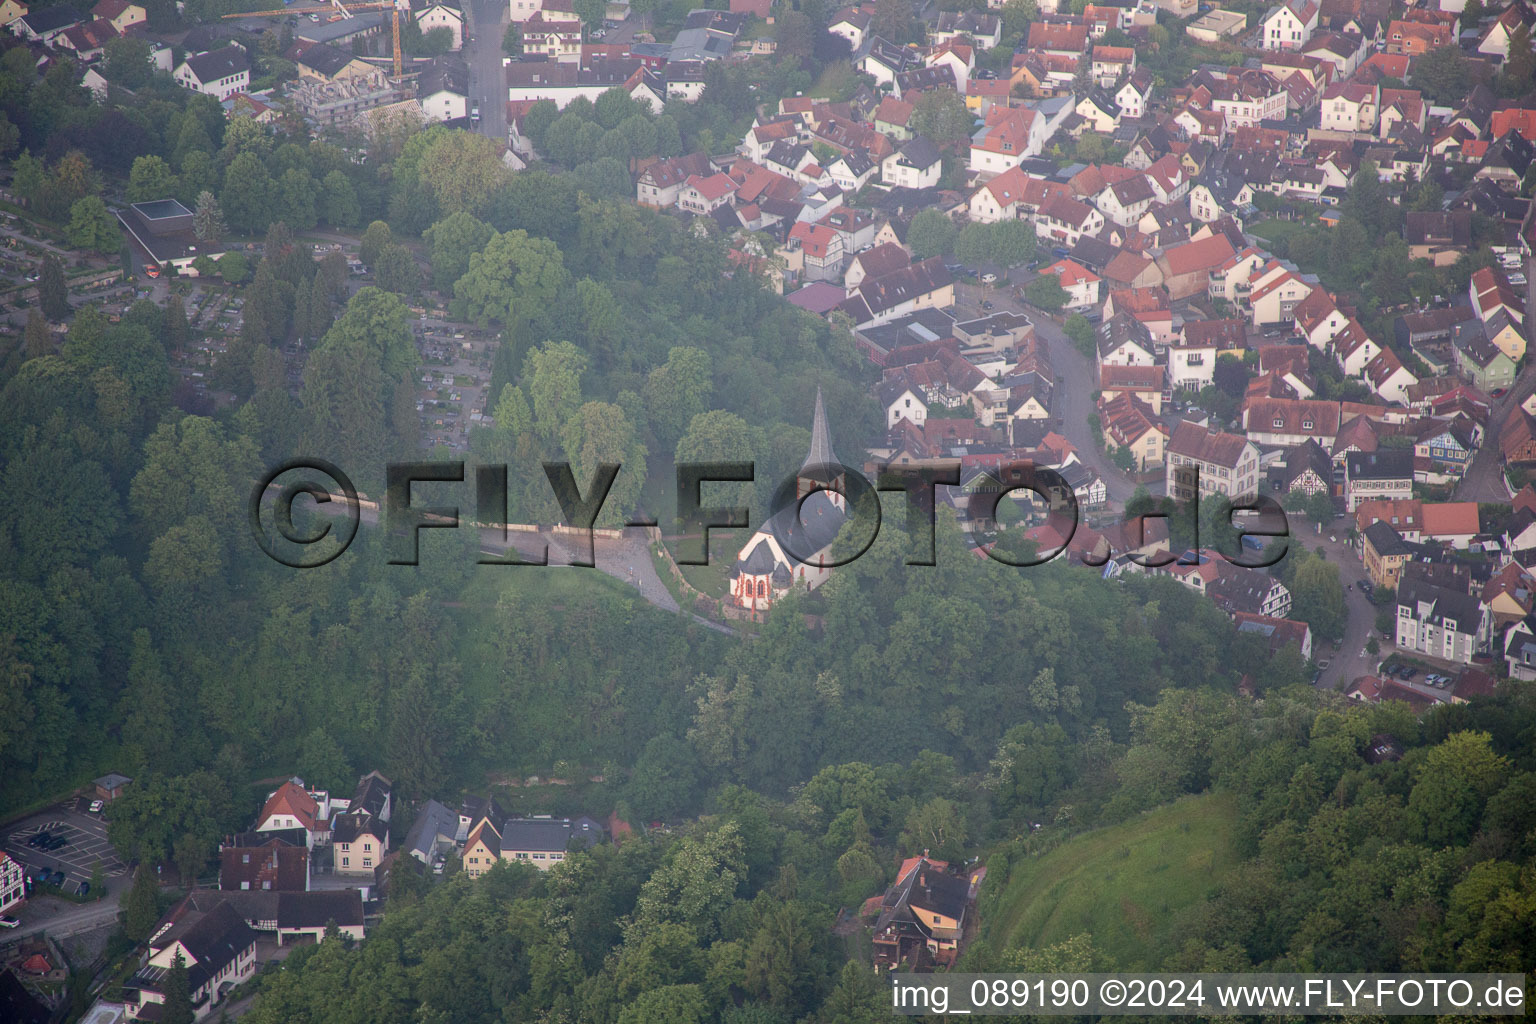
x,y
317,909
212,940
209,67
348,827
49,19
548,834
371,795
1387,541
1440,605
1381,464
434,823
821,453
325,58
920,152
112,780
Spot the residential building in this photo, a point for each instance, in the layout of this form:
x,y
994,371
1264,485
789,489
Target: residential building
x,y
443,14
544,841
359,841
1277,634
482,850
917,165
1005,139
442,89
432,833
13,883
1290,25
660,184
1384,474
217,948
1384,552
1437,621
1225,463
219,74
921,917
292,806
265,862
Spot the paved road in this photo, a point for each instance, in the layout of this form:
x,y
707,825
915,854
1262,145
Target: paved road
x,y
1073,394
488,20
627,558
38,915
1484,479
1350,661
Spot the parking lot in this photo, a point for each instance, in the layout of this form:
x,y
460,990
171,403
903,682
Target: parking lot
x,y
87,835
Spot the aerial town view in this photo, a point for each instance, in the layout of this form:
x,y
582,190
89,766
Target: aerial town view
x,y
627,512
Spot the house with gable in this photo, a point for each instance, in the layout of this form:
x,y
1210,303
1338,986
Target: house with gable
x,y
1289,26
217,948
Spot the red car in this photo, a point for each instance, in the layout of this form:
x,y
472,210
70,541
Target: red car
x,y
1498,392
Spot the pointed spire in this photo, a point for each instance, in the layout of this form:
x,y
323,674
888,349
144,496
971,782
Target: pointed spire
x,y
821,453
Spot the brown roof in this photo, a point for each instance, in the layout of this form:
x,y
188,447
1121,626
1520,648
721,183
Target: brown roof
x,y
1203,255
1193,441
1261,414
1130,378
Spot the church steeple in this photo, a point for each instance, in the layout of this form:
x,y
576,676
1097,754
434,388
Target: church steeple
x,y
817,472
821,453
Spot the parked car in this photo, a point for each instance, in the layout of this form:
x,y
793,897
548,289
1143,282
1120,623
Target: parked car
x,y
7,921
84,890
38,839
989,278
96,806
57,878
1324,663
1498,392
986,305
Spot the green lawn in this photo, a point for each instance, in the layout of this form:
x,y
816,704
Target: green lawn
x,y
1123,885
1273,230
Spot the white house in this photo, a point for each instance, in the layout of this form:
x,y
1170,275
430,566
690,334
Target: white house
x,y
1290,25
443,15
916,165
219,73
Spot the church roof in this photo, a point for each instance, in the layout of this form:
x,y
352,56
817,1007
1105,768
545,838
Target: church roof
x,y
821,453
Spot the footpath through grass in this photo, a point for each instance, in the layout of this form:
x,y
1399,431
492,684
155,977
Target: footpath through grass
x,y
1124,885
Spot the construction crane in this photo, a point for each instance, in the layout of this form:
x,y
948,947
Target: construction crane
x,y
344,10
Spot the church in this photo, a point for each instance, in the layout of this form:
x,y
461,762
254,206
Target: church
x,y
764,570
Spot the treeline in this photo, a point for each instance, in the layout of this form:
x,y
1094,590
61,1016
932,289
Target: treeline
x,y
1370,840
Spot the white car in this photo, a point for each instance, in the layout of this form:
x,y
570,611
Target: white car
x,y
96,806
7,921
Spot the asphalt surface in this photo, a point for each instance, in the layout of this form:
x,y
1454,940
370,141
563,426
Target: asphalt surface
x,y
1350,660
87,835
1073,394
1484,479
44,912
487,22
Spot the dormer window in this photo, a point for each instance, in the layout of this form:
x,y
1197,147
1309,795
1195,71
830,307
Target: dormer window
x,y
1279,422
1306,424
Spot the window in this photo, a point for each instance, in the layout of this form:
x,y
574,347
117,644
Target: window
x,y
346,862
245,885
245,858
367,862
267,884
